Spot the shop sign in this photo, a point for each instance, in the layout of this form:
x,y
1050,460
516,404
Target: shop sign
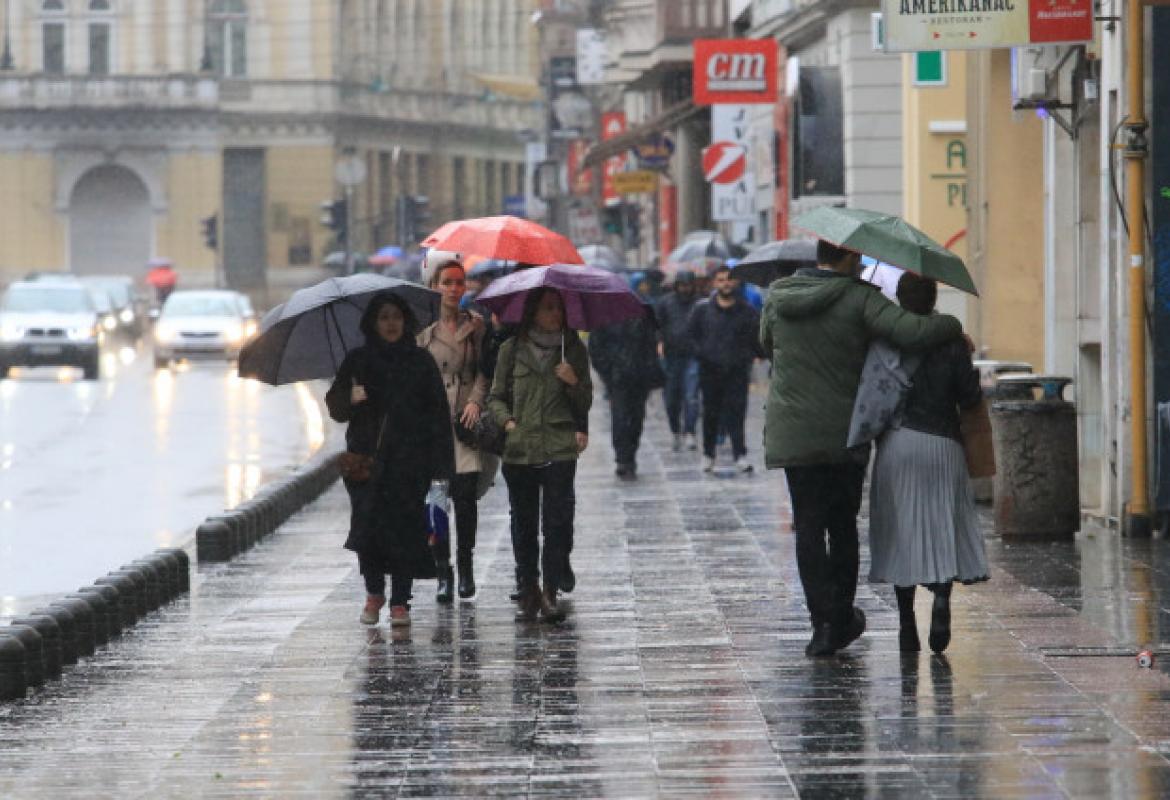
x,y
580,180
613,123
983,24
735,71
725,163
655,152
641,181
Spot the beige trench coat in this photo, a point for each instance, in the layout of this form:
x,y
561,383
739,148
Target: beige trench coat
x,y
458,360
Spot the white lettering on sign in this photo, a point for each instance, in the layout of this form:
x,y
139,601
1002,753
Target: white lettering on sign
x,y
737,72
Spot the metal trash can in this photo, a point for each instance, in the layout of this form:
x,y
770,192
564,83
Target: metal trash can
x,y
1037,485
989,372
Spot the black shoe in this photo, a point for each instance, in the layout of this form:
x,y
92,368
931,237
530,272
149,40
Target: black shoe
x,y
446,593
548,609
466,579
627,472
856,627
568,579
821,643
940,623
529,603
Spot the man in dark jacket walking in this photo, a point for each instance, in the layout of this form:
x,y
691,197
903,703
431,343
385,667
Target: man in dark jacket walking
x,y
817,325
681,393
625,356
724,333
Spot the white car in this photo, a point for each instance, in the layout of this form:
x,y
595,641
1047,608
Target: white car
x,y
50,324
200,324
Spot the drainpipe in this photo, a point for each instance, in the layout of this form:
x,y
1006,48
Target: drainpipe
x,y
1137,511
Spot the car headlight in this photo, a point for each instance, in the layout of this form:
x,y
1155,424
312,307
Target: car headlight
x,y
234,332
80,334
164,333
109,323
10,332
127,316
250,329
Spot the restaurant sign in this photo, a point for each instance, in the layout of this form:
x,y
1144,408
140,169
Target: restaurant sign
x,y
980,24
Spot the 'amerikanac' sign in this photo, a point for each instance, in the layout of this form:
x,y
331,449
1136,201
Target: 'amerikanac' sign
x,y
976,24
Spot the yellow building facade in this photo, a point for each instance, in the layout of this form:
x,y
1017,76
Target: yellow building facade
x,y
973,180
129,122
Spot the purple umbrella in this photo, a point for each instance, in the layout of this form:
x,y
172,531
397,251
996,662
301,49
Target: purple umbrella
x,y
593,297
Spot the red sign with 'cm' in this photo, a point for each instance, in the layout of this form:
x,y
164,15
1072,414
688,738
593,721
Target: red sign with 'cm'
x,y
735,71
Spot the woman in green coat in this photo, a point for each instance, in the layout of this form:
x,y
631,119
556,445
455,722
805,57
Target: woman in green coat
x,y
541,394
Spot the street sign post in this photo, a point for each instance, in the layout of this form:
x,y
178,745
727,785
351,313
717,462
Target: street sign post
x,y
725,165
641,181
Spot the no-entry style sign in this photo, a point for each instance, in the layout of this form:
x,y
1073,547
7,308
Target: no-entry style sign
x,y
724,162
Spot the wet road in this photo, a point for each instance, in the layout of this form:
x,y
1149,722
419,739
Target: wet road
x,y
95,473
678,673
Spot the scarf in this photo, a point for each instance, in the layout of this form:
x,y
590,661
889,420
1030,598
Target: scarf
x,y
544,345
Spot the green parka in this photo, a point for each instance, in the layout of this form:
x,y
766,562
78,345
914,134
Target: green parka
x,y
548,412
817,325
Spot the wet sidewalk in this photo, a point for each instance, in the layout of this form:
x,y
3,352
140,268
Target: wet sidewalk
x,y
679,672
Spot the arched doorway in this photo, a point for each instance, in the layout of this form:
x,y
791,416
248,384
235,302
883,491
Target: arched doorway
x,y
109,222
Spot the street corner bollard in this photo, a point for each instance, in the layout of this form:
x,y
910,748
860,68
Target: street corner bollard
x,y
106,603
34,653
127,597
184,566
13,683
161,567
1037,480
168,567
50,633
97,616
141,601
154,582
67,624
214,541
82,623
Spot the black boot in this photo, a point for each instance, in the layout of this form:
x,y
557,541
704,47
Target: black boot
x,y
518,592
568,579
446,593
821,643
850,630
466,576
940,617
907,624
528,600
549,610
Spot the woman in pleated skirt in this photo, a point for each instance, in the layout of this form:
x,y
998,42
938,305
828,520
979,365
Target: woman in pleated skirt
x,y
923,524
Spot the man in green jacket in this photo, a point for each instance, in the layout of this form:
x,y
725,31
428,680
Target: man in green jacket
x,y
818,325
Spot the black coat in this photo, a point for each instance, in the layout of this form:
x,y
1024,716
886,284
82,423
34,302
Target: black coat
x,y
944,382
388,520
627,352
725,337
674,317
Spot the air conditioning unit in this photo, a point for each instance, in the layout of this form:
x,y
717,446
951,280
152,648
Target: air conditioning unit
x,y
1030,80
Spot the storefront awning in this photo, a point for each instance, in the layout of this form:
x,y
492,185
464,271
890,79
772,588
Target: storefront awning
x,y
619,144
518,87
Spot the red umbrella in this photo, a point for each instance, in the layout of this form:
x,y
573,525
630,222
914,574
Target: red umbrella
x,y
510,238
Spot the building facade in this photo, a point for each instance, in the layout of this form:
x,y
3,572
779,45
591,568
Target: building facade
x,y
124,123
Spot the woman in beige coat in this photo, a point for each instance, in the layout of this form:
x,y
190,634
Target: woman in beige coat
x,y
455,341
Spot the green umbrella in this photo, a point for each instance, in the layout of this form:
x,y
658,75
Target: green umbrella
x,y
889,239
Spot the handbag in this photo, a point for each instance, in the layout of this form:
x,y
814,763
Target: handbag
x,y
978,444
359,467
485,435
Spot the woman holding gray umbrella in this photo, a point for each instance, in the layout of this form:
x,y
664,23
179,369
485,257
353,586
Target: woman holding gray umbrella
x,y
390,392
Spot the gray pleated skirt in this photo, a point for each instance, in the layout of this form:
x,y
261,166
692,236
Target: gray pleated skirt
x,y
923,526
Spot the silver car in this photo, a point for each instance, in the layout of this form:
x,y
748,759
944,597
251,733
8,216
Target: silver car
x,y
50,324
200,324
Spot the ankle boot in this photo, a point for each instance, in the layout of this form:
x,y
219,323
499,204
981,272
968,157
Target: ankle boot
x,y
907,624
466,576
446,593
940,618
549,610
528,602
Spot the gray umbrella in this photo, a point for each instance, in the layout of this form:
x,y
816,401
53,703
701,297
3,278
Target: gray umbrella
x,y
776,260
309,336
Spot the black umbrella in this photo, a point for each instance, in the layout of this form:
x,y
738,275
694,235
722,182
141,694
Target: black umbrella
x,y
307,337
700,245
776,260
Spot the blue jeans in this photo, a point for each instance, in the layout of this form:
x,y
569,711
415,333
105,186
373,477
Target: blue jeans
x,y
681,393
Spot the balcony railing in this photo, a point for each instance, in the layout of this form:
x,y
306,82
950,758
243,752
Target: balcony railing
x,y
683,20
44,92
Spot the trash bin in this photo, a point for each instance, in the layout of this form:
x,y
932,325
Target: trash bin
x,y
989,372
1037,486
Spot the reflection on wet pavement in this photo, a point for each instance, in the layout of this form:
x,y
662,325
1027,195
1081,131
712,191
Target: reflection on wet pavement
x,y
679,672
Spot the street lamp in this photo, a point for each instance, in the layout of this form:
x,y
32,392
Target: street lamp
x,y
6,63
205,64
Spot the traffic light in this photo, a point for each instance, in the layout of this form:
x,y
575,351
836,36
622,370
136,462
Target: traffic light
x,y
210,227
335,217
422,215
414,218
611,220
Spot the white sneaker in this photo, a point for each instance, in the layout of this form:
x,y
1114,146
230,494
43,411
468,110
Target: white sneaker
x,y
708,464
677,444
692,442
743,465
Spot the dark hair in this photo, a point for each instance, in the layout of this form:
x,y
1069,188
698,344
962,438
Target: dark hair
x,y
917,294
830,254
721,268
369,324
528,318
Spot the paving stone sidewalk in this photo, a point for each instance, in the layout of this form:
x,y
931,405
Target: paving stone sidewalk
x,y
679,672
